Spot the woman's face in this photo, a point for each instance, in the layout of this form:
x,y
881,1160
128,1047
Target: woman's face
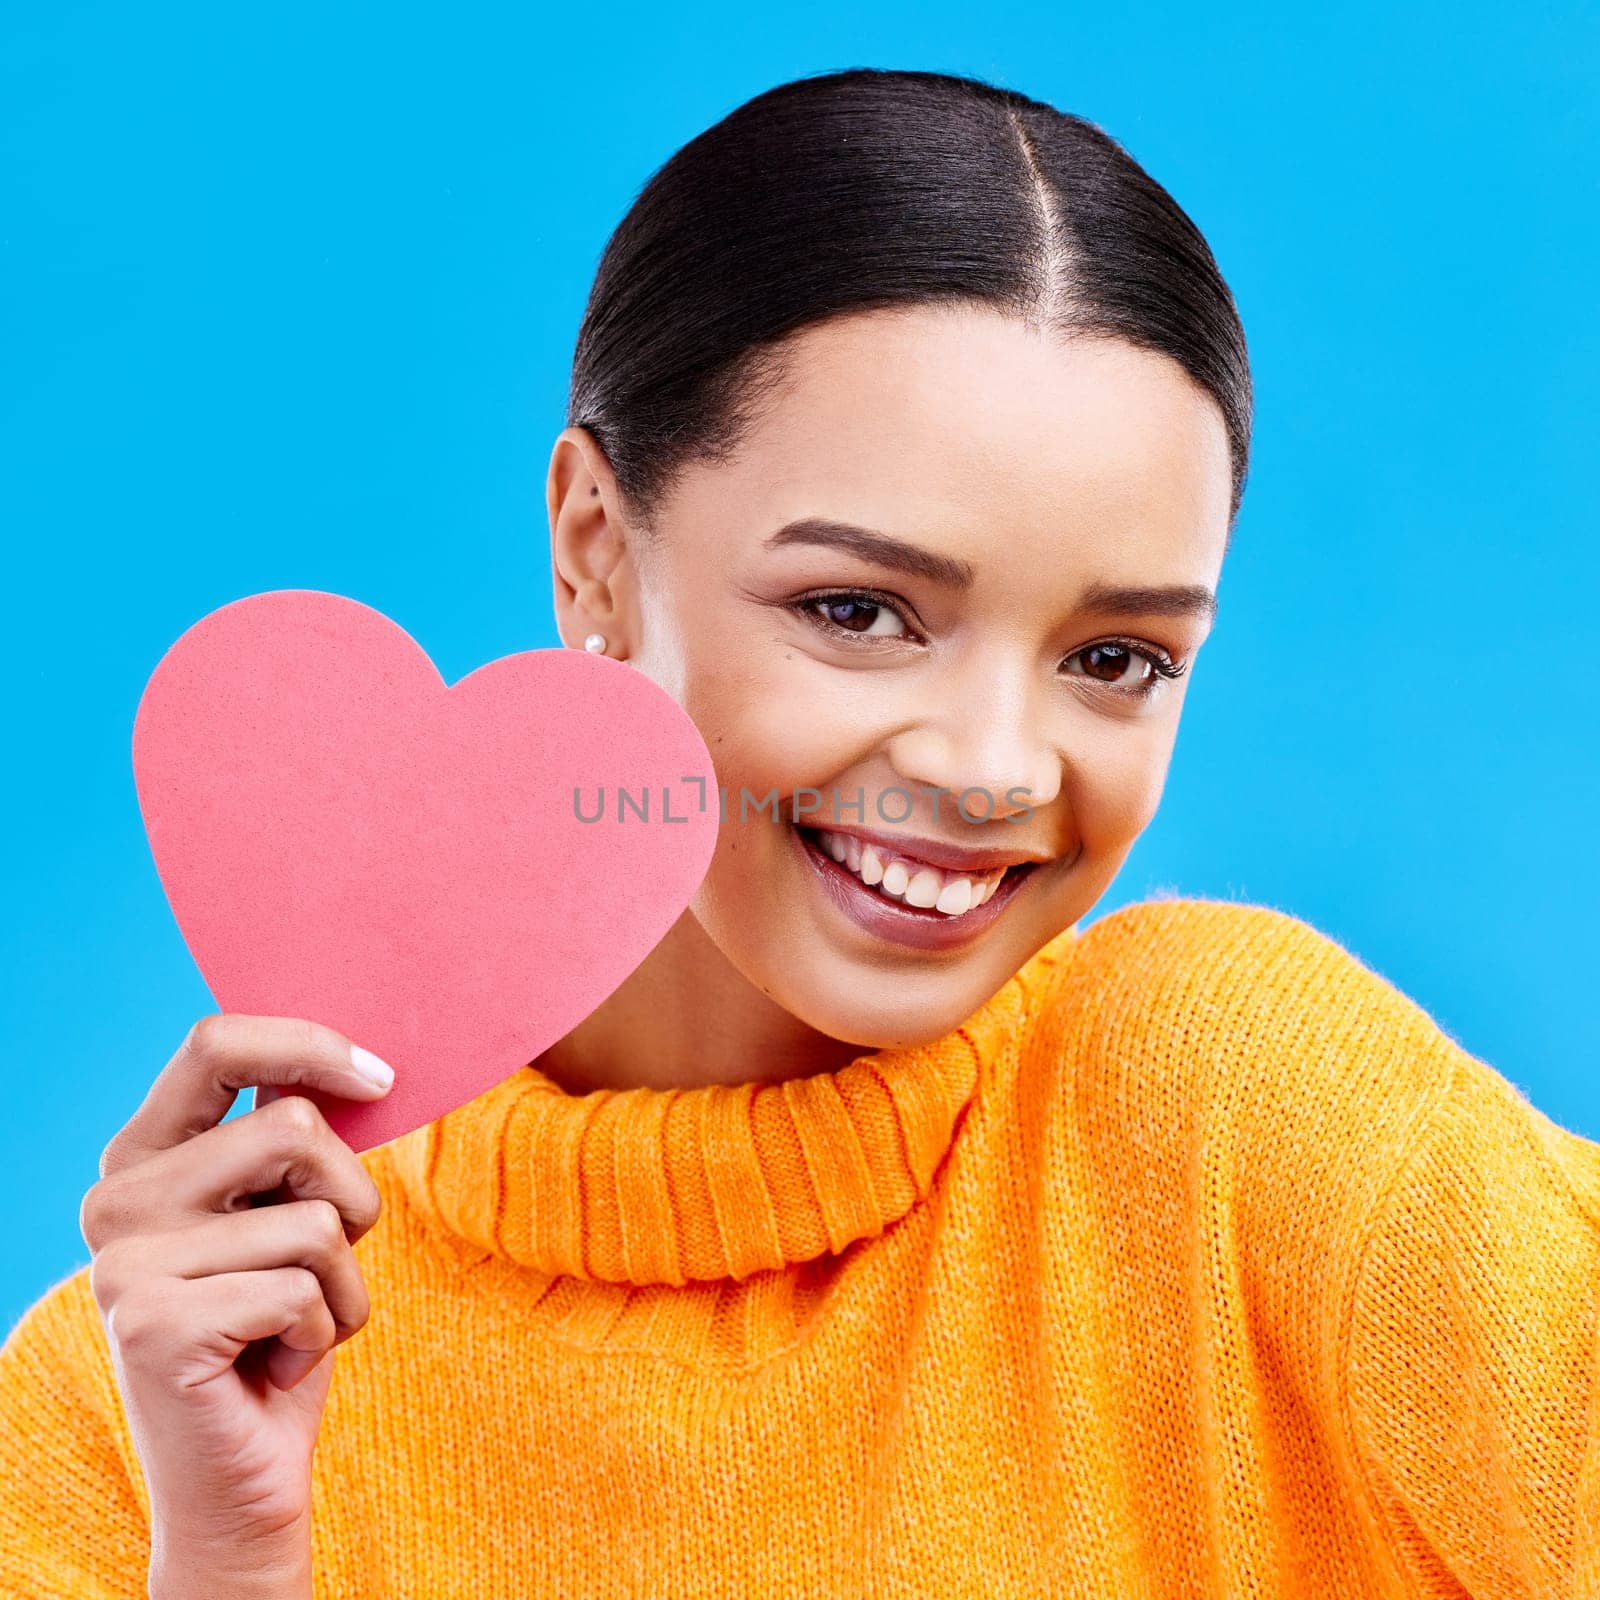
x,y
900,606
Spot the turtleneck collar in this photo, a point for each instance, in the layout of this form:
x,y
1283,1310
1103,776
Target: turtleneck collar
x,y
721,1181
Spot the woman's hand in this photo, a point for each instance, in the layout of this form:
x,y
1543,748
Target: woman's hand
x,y
221,1312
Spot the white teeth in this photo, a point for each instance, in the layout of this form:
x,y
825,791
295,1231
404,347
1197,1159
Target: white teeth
x,y
918,885
956,897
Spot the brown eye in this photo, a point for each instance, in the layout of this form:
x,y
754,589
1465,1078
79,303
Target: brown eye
x,y
851,614
857,614
1108,663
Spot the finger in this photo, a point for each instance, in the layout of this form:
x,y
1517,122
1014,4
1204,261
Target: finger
x,y
286,1367
223,1053
192,1329
306,1233
287,1145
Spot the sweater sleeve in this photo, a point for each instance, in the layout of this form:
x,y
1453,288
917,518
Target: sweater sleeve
x,y
72,1515
1474,1358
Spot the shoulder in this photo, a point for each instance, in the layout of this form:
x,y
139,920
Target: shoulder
x,y
1234,953
1239,1047
1228,1090
74,1510
56,1357
60,1329
1216,989
58,1389
1234,1064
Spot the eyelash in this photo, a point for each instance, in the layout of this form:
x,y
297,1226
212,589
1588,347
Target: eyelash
x,y
1164,667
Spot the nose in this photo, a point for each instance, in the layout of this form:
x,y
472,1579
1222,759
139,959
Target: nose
x,y
981,738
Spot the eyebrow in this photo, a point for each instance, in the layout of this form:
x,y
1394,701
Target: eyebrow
x,y
879,548
1164,600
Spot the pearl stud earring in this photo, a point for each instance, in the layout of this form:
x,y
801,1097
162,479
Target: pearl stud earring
x,y
595,643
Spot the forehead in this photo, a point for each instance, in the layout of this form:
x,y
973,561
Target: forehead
x,y
957,418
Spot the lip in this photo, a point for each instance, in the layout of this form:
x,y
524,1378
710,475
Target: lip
x,y
908,925
936,853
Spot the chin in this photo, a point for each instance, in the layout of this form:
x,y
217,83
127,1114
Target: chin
x,y
889,1008
896,1030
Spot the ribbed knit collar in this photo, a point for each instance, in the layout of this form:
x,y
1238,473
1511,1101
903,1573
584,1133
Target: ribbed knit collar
x,y
720,1181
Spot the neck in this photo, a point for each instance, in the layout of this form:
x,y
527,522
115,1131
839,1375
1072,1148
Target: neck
x,y
687,1018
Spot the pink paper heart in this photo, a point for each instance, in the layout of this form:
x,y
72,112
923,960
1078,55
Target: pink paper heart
x,y
343,837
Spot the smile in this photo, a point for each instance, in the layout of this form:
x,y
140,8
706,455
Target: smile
x,y
898,897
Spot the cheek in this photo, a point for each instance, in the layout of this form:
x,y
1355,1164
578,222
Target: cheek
x,y
1114,783
778,722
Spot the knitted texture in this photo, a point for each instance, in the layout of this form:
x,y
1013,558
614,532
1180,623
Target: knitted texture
x,y
1199,1262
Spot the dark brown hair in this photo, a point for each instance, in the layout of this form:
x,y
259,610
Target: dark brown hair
x,y
866,188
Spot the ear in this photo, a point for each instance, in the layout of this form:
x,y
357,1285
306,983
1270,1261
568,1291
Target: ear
x,y
592,568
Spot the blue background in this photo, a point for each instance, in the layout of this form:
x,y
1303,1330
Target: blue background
x,y
288,297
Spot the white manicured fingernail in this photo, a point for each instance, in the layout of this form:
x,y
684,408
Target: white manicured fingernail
x,y
370,1067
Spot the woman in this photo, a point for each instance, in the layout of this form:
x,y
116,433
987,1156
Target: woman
x,y
883,1234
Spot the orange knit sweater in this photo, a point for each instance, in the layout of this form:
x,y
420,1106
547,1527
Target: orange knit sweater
x,y
1199,1262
